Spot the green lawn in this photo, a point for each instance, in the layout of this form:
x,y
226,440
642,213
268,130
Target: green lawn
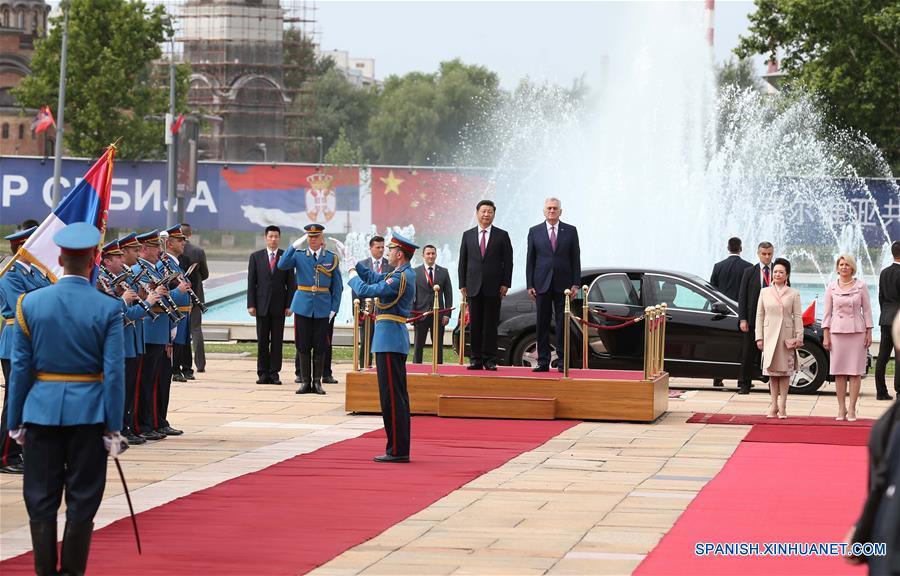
x,y
339,353
345,353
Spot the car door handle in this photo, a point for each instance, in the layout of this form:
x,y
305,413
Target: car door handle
x,y
599,309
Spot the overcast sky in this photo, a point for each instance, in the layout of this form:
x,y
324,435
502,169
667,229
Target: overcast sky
x,y
557,41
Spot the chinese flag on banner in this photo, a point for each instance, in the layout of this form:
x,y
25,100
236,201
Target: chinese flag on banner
x,y
435,202
809,315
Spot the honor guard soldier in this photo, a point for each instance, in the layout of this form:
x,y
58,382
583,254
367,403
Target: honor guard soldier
x,y
315,302
168,264
19,279
113,281
396,292
66,392
156,370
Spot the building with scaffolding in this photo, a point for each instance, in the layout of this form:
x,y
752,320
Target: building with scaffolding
x,y
241,68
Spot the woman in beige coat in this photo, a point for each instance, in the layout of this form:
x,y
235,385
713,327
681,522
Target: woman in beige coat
x,y
779,332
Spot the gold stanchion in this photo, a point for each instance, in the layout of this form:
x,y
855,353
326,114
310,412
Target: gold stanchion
x,y
662,337
647,311
367,333
567,332
356,334
435,324
462,330
585,317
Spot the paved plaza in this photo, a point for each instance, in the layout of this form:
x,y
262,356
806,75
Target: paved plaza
x,y
595,499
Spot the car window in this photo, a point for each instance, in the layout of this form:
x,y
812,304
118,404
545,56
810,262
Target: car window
x,y
614,289
677,293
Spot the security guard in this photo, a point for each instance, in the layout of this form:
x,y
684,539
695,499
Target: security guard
x,y
396,292
134,314
19,279
315,302
67,387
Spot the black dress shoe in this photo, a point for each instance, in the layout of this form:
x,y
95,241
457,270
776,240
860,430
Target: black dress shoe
x,y
275,381
541,368
152,435
13,468
744,391
201,369
329,380
190,376
560,369
390,458
884,396
169,431
177,377
135,440
475,366
492,366
262,381
718,383
298,380
305,388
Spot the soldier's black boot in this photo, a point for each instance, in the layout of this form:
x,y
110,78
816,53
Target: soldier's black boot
x,y
75,547
305,369
318,368
43,541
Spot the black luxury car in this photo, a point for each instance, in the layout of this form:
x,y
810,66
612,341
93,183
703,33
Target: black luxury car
x,y
703,339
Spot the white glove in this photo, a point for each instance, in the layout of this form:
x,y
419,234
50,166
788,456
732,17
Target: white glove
x,y
172,333
298,243
115,444
18,435
350,261
331,316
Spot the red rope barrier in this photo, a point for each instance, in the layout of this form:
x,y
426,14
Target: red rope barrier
x,y
612,316
631,321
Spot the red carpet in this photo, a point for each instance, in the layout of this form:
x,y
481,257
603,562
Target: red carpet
x,y
524,372
745,419
783,484
296,515
836,435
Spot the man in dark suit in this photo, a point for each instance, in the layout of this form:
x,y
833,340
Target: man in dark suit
x,y
377,263
269,293
429,275
727,274
754,279
194,254
553,266
485,274
889,299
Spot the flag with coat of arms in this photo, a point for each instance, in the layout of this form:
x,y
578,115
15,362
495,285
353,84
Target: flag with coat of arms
x,y
88,202
43,120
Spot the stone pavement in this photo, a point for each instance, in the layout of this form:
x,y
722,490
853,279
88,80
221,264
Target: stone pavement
x,y
595,499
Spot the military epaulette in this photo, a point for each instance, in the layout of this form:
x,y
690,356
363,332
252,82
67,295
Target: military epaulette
x,y
20,316
400,291
334,264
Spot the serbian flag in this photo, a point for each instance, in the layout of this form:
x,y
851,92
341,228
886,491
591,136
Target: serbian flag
x,y
87,202
809,316
43,120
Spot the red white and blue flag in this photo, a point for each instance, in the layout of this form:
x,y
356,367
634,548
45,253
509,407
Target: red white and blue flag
x,y
87,202
43,120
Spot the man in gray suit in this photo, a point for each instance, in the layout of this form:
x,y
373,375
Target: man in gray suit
x,y
380,264
194,254
428,276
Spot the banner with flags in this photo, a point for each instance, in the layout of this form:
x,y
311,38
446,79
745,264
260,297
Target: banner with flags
x,y
43,120
87,202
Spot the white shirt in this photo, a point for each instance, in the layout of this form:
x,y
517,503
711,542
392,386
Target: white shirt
x,y
314,253
273,254
375,263
549,226
762,274
487,237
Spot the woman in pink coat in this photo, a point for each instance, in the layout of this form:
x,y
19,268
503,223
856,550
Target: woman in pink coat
x,y
848,332
779,332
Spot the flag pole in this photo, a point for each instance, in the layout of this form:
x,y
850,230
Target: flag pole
x,y
60,111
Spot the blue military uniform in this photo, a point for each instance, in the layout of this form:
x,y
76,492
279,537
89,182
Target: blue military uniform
x,y
67,386
318,297
18,280
396,293
181,343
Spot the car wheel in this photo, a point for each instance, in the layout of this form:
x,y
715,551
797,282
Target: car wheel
x,y
812,370
526,353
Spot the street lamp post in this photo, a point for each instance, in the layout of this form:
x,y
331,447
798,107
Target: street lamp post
x,y
262,148
319,140
60,112
170,138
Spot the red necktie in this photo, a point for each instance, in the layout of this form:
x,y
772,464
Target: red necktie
x,y
766,278
378,266
430,277
483,242
271,261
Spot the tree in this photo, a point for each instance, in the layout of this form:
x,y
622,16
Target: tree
x,y
738,73
422,118
343,152
848,52
110,89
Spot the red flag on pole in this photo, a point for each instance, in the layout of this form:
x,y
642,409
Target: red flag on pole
x,y
809,316
43,120
176,125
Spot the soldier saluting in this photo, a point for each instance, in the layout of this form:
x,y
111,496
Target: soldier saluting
x,y
64,404
396,292
315,302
